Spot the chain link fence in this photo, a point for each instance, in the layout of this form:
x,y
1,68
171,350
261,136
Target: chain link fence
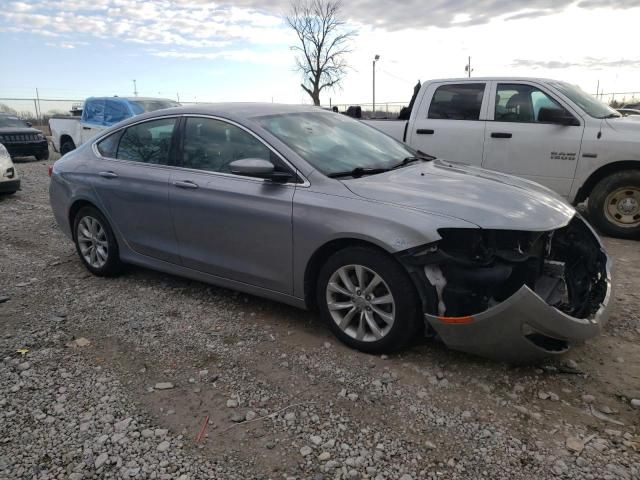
x,y
39,110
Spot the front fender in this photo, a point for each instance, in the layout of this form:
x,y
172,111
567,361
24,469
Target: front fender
x,y
320,218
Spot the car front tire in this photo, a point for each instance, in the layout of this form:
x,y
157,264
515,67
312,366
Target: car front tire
x,y
368,300
614,205
42,156
95,243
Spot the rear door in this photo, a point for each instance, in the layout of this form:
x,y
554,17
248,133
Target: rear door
x,y
92,121
519,142
450,121
228,225
131,178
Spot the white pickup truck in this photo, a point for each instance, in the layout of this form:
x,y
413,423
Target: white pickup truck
x,y
543,130
98,113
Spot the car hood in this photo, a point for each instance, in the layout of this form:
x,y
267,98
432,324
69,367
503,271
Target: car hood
x,y
488,199
630,124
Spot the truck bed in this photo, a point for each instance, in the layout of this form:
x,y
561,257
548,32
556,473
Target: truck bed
x,y
393,128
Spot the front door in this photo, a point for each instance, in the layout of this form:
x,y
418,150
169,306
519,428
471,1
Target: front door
x,y
131,179
518,141
227,225
451,123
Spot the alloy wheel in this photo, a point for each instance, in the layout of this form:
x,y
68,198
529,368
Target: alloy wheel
x,y
360,303
93,242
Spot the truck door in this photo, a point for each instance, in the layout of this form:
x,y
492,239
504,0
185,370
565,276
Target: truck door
x,y
450,121
92,120
522,139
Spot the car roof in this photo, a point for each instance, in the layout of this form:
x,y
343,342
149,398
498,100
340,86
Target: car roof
x,y
238,111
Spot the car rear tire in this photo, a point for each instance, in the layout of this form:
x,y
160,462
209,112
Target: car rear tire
x,y
66,147
95,243
614,205
368,300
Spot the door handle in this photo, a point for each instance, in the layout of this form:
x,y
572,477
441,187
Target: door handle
x,y
185,184
501,135
425,131
86,128
108,174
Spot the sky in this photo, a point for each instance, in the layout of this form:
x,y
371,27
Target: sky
x,y
240,51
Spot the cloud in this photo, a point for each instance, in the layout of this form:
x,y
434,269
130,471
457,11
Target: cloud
x,y
243,55
586,62
391,15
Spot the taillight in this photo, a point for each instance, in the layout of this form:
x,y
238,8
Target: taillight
x,y
50,169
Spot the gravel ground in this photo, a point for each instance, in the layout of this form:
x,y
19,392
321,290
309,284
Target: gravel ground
x,y
153,376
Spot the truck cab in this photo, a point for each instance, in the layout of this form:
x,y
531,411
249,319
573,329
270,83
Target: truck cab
x,y
546,131
99,113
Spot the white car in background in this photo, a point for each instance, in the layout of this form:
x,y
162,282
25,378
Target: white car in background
x,y
9,180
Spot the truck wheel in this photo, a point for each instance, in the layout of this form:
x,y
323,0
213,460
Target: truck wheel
x,y
368,300
66,147
614,204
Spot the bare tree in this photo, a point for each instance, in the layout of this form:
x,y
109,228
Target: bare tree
x,y
323,44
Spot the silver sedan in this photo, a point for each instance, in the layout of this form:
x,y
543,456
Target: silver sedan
x,y
318,210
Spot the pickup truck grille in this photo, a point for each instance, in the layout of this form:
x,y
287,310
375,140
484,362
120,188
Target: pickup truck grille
x,y
19,137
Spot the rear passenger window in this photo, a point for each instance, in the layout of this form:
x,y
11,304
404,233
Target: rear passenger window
x,y
108,147
147,142
213,144
457,102
114,112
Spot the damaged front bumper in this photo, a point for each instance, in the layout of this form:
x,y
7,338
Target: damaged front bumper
x,y
523,328
531,296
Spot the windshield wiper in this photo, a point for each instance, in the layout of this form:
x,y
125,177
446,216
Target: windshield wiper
x,y
612,115
358,172
421,157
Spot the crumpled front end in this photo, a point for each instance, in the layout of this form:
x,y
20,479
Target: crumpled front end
x,y
514,295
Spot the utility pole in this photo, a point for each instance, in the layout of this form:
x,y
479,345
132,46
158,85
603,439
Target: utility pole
x,y
178,96
375,59
468,68
135,89
39,111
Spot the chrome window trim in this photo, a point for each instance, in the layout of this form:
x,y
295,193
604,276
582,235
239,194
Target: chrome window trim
x,y
305,182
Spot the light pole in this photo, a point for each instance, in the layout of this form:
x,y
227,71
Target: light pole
x,y
375,59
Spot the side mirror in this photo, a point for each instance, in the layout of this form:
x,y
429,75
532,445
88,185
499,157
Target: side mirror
x,y
259,168
558,116
29,124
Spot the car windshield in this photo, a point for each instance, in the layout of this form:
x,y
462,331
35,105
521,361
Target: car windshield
x,y
588,103
334,143
9,121
141,106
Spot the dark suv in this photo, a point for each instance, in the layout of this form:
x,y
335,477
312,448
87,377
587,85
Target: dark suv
x,y
20,139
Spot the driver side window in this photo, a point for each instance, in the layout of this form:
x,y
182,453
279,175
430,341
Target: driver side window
x,y
212,145
521,103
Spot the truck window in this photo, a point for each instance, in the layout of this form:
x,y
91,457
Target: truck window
x,y
114,112
521,103
147,142
93,111
457,102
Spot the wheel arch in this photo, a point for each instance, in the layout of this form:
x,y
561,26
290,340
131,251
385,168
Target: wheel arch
x,y
602,172
75,208
321,255
66,137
